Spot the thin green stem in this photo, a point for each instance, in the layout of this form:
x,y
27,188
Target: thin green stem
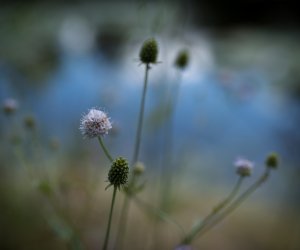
x,y
125,207
141,118
201,225
124,213
122,222
109,219
219,217
157,212
168,159
237,202
104,149
227,200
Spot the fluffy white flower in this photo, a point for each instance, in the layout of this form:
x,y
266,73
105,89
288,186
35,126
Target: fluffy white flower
x,y
95,123
243,167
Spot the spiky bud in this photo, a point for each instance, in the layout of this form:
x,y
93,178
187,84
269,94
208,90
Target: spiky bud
x,y
118,173
272,161
182,59
149,51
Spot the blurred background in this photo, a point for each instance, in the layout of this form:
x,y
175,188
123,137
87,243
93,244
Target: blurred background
x,y
239,96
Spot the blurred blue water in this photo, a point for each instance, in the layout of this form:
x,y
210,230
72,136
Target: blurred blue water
x,y
237,115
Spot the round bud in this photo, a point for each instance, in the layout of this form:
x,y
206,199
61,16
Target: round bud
x,y
139,168
182,59
29,122
243,167
118,173
149,51
94,124
10,106
272,160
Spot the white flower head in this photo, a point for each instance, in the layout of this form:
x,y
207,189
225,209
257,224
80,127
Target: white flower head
x,y
243,167
95,123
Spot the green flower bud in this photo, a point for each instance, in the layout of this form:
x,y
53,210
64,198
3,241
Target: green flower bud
x,y
118,173
149,51
182,59
29,122
272,161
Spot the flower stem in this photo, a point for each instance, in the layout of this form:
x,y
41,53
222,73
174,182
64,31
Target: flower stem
x,y
110,217
126,203
201,225
105,149
213,220
167,169
123,222
141,118
227,200
238,201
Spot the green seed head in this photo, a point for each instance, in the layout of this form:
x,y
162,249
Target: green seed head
x,y
29,122
272,161
118,173
182,59
149,51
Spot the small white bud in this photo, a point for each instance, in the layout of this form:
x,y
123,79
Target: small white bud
x,y
243,167
10,106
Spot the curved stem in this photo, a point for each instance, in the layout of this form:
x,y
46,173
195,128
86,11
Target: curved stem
x,y
238,201
200,226
215,220
104,149
141,118
109,219
229,197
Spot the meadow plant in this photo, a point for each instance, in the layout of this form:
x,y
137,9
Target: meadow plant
x,y
148,55
28,151
96,124
221,211
167,171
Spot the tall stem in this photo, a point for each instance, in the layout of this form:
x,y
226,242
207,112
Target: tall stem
x,y
109,220
168,159
125,207
212,221
141,118
122,223
238,201
229,197
201,225
105,149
